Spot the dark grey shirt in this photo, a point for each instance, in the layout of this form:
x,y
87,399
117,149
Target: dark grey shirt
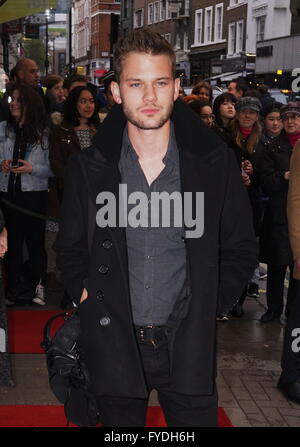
x,y
156,255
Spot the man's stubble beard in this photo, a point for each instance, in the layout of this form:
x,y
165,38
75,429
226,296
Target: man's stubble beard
x,y
142,124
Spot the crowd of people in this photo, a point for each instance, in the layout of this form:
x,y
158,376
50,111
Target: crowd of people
x,y
43,124
262,133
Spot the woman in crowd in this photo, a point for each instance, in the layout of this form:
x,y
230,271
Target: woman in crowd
x,y
246,133
74,134
54,93
203,110
274,245
204,91
24,177
224,111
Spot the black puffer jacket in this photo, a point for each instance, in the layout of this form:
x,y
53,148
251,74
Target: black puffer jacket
x,y
274,241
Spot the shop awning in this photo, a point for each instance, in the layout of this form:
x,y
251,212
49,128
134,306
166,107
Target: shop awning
x,y
16,9
229,76
99,73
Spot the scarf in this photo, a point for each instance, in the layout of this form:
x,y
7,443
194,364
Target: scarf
x,y
245,132
293,138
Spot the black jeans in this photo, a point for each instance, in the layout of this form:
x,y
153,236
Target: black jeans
x,y
275,288
23,228
179,410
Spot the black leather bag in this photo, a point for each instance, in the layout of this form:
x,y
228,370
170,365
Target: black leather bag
x,y
68,375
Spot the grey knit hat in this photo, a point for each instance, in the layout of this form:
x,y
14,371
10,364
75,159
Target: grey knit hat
x,y
248,102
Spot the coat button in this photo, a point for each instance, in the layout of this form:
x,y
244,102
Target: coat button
x,y
105,321
100,295
107,244
103,269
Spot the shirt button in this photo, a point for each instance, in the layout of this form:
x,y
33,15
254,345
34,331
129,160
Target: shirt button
x,y
105,321
100,295
107,244
147,286
103,269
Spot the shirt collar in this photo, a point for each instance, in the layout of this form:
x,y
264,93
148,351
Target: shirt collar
x,y
172,151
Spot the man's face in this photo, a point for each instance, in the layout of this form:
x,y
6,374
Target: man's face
x,y
233,90
29,74
147,90
291,123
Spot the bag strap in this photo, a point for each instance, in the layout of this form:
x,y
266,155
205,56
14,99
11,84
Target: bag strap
x,y
47,340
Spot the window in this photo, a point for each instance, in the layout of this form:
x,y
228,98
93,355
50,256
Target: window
x,y
208,25
126,9
169,13
231,39
150,13
185,41
138,20
187,7
239,36
156,12
178,42
198,27
219,22
162,10
260,28
236,2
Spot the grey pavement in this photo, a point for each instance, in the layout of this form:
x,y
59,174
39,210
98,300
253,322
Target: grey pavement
x,y
249,355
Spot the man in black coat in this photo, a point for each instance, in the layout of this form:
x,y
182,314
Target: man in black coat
x,y
149,285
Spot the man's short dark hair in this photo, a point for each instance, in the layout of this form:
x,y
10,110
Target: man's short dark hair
x,y
142,41
73,78
241,84
263,89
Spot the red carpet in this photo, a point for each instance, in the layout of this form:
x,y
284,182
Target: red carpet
x,y
25,329
25,335
53,416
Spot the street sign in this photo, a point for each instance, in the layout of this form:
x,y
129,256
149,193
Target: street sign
x,y
40,19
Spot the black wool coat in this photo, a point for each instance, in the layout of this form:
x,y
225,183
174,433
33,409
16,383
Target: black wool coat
x,y
219,263
274,241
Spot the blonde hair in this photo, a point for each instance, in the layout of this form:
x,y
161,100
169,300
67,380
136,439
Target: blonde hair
x,y
253,138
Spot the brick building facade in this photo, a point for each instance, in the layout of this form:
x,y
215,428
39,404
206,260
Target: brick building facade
x,y
218,40
104,19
